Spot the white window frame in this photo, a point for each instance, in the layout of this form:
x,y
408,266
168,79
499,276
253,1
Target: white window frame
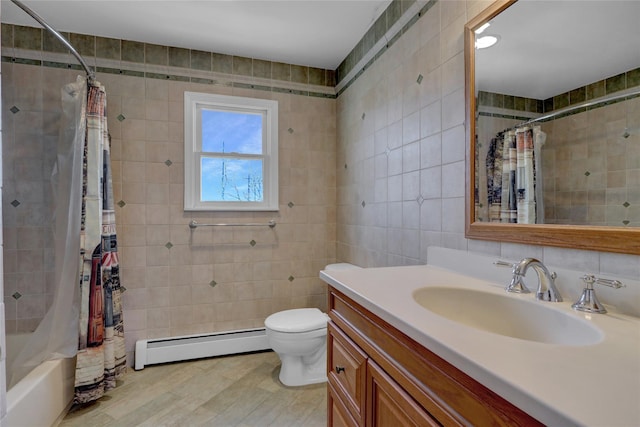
x,y
194,102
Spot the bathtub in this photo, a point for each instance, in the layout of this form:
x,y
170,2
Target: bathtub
x,y
44,395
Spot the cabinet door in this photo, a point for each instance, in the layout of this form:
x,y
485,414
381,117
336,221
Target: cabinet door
x,y
337,414
389,405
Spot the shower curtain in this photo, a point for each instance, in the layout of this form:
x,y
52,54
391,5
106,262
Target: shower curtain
x,y
56,336
85,317
101,353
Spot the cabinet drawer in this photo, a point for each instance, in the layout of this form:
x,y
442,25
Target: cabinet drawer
x,y
346,365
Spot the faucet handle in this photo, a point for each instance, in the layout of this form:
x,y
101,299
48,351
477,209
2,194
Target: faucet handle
x,y
500,263
516,285
588,301
590,279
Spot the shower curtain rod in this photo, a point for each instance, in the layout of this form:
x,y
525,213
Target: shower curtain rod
x,y
586,104
74,52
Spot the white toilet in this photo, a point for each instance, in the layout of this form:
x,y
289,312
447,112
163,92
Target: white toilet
x,y
299,337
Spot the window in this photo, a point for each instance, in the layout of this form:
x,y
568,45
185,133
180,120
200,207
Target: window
x,y
231,153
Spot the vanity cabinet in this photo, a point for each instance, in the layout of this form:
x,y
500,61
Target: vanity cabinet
x,y
378,376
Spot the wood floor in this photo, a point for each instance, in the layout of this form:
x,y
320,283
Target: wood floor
x,y
239,391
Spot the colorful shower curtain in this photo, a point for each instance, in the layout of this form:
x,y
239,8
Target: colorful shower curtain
x,y
101,354
513,166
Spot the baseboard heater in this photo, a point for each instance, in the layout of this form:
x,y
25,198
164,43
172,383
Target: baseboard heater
x,y
188,347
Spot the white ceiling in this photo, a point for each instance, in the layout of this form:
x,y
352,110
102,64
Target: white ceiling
x,y
550,47
315,33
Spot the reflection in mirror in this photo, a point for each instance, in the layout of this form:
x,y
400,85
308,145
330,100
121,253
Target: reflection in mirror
x,y
558,115
553,109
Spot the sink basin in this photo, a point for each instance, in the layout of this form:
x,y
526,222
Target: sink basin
x,y
508,315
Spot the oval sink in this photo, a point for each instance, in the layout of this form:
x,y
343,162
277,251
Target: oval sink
x,y
508,315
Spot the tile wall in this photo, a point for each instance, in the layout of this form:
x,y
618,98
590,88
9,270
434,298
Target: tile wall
x,y
177,281
401,156
592,167
401,146
26,210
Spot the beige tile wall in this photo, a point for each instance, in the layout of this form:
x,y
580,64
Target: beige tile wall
x,y
594,167
167,270
391,206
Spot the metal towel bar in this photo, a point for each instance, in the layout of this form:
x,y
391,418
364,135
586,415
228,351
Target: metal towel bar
x,y
272,223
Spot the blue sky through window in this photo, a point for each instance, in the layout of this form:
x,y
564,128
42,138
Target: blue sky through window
x,y
240,132
230,178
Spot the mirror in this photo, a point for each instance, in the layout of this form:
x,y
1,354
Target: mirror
x,y
575,181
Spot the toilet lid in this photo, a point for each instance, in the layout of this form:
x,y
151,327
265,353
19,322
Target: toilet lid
x,y
297,320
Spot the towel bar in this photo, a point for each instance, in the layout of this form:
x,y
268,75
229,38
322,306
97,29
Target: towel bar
x,y
272,223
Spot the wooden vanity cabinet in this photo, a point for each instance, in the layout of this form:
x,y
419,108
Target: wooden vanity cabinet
x,y
378,376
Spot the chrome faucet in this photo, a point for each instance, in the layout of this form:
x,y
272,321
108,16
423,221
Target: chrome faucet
x,y
547,290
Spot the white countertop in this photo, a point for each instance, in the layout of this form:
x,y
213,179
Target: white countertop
x,y
593,385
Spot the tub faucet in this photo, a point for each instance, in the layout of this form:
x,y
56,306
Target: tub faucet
x,y
547,290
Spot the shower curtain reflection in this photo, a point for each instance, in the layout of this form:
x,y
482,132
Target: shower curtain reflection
x,y
512,180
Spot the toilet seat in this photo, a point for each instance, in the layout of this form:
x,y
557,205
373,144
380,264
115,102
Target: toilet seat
x,y
297,320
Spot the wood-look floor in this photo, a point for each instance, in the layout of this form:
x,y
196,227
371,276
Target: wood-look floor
x,y
239,391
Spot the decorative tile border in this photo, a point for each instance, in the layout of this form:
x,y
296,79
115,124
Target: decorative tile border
x,y
608,86
504,116
613,84
399,16
35,46
509,102
396,20
38,39
380,31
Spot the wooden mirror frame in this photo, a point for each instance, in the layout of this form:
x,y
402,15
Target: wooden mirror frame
x,y
606,239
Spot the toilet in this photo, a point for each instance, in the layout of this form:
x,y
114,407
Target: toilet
x,y
299,337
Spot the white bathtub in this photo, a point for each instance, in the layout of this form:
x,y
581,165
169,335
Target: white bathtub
x,y
44,395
